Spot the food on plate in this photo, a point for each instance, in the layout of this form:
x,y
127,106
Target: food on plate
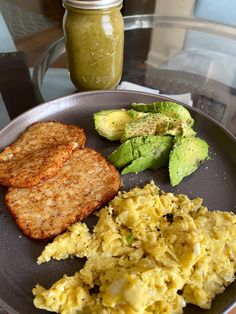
x,y
36,155
85,182
41,134
27,170
53,183
150,252
185,157
159,118
171,118
155,124
141,153
167,108
110,123
151,122
154,160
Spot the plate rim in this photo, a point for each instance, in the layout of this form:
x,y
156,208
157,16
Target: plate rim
x,y
83,94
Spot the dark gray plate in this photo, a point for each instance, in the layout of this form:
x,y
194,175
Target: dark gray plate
x,y
215,181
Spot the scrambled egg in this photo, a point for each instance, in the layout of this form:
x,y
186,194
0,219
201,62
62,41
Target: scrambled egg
x,y
150,252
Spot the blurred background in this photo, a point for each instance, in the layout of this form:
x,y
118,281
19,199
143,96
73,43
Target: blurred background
x,y
33,25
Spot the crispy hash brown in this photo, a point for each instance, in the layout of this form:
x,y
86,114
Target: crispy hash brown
x,y
27,170
41,134
39,153
85,183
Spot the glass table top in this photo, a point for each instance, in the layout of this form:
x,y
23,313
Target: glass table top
x,y
174,55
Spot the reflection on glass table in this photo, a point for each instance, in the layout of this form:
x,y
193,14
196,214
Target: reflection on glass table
x,y
168,61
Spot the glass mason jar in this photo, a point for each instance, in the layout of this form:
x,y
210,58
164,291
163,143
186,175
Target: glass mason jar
x,y
94,36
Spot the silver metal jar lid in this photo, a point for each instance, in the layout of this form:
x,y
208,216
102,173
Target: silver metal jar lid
x,y
92,4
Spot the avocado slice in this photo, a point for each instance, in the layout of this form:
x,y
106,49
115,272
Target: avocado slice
x,y
155,124
139,146
169,108
137,114
185,157
141,164
151,160
111,123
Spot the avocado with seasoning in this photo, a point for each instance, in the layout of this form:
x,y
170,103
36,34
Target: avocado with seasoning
x,y
133,149
156,124
111,123
169,108
137,114
185,157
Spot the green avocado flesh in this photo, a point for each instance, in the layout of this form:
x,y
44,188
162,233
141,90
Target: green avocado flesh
x,y
168,108
135,115
153,135
185,157
121,124
150,161
111,123
155,124
142,153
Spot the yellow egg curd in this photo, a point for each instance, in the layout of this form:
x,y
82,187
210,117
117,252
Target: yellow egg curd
x,y
150,252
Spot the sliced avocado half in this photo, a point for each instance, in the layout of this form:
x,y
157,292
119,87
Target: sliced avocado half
x,y
138,147
155,124
185,157
153,159
168,108
111,123
137,114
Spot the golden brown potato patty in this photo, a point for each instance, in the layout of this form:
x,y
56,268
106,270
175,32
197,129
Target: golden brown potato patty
x,y
39,153
84,183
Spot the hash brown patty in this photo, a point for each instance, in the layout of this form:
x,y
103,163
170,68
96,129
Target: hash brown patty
x,y
27,170
36,155
86,182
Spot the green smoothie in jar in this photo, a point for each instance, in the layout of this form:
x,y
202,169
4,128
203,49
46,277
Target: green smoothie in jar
x,y
94,36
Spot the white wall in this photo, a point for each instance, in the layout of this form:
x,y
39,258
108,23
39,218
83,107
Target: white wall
x,y
166,42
